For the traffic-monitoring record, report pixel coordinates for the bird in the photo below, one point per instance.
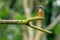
(41, 11)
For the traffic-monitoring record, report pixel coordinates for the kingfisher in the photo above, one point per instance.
(41, 11)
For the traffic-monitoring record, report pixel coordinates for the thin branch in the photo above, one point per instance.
(38, 28)
(53, 23)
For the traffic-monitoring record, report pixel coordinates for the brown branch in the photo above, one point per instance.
(53, 23)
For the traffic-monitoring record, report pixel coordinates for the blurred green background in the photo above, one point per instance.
(22, 9)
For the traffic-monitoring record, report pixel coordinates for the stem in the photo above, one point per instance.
(38, 28)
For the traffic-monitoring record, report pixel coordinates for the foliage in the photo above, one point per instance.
(3, 12)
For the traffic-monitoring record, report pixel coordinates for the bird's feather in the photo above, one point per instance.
(41, 13)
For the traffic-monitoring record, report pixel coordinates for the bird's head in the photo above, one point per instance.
(41, 7)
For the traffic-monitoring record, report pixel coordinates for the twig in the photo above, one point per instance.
(38, 28)
(53, 23)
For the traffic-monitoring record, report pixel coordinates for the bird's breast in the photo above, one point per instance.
(41, 13)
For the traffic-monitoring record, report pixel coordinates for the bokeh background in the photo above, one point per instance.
(22, 9)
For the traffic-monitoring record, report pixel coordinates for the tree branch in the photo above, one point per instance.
(25, 22)
(20, 21)
(33, 18)
(38, 28)
(53, 23)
